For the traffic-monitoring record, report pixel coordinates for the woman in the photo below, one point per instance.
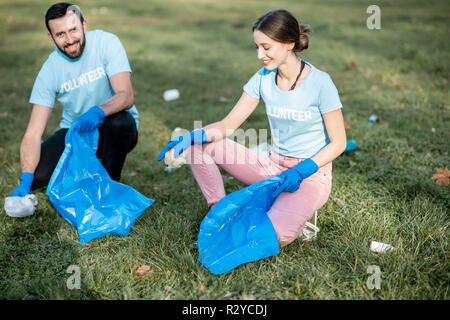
(306, 122)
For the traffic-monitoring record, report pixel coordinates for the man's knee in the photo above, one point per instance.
(40, 180)
(121, 122)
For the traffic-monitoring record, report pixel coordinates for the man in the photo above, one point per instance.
(89, 74)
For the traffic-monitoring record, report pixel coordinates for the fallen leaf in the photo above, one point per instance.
(429, 155)
(351, 63)
(340, 202)
(202, 287)
(132, 174)
(145, 270)
(3, 114)
(398, 106)
(347, 126)
(442, 177)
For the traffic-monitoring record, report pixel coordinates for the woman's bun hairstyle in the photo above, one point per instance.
(280, 25)
(303, 40)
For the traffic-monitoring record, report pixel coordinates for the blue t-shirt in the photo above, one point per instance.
(295, 116)
(83, 82)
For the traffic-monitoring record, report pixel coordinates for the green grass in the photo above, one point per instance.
(382, 191)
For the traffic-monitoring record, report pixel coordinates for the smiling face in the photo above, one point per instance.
(67, 33)
(271, 52)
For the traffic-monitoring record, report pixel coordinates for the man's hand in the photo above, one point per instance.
(90, 120)
(26, 179)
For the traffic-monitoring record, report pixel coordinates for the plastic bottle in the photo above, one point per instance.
(373, 118)
(351, 145)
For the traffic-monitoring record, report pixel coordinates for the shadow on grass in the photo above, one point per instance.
(34, 257)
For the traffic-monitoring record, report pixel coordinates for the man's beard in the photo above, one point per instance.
(78, 53)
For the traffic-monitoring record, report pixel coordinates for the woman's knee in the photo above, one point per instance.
(289, 218)
(286, 237)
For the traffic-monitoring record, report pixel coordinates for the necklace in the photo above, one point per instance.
(296, 79)
(298, 76)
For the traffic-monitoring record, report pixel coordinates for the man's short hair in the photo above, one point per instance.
(59, 10)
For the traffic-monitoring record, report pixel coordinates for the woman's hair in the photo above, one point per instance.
(281, 25)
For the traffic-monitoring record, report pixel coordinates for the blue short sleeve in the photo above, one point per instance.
(328, 96)
(115, 57)
(44, 88)
(253, 86)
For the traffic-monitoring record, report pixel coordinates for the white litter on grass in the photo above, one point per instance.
(381, 247)
(19, 207)
(169, 159)
(171, 94)
(310, 230)
(229, 294)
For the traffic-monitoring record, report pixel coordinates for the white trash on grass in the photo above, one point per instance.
(169, 159)
(171, 94)
(381, 247)
(19, 207)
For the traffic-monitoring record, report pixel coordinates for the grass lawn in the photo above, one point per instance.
(381, 191)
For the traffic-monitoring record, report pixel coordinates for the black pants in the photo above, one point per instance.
(117, 136)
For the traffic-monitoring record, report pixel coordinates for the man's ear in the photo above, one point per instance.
(50, 37)
(84, 25)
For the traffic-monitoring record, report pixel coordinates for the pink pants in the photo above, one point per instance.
(290, 211)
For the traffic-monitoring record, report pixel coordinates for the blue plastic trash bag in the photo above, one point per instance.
(84, 194)
(237, 229)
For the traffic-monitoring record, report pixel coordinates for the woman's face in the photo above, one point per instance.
(271, 52)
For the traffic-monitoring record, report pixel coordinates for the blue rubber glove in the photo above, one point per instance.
(291, 178)
(26, 179)
(183, 142)
(89, 120)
